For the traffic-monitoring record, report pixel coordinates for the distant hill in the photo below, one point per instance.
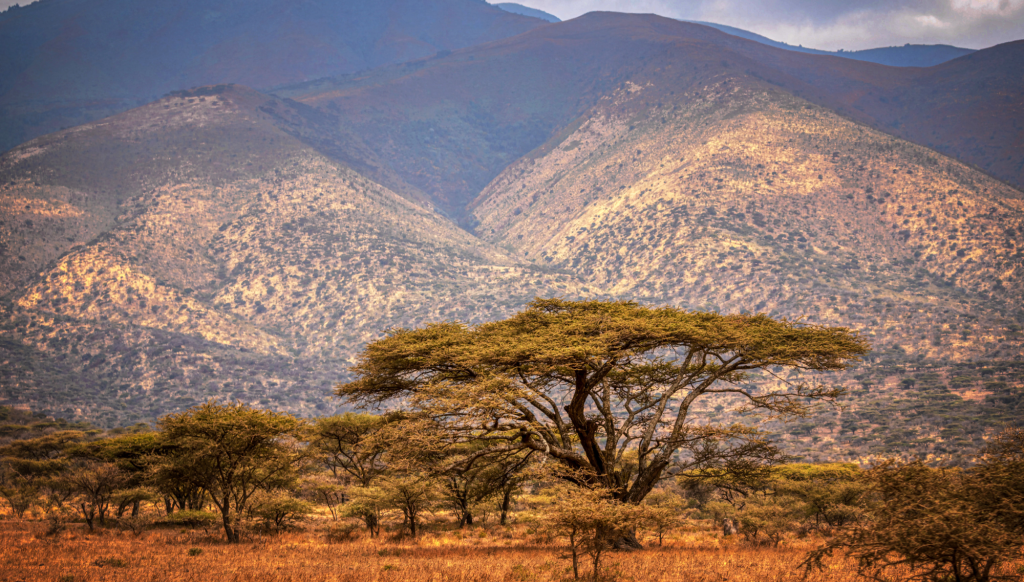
(67, 62)
(527, 11)
(909, 55)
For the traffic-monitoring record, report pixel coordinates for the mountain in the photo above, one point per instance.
(447, 126)
(195, 247)
(226, 242)
(527, 11)
(67, 62)
(908, 55)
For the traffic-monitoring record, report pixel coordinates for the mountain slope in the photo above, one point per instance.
(527, 11)
(748, 199)
(209, 240)
(223, 242)
(70, 61)
(447, 126)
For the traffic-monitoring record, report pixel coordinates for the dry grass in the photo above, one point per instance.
(477, 554)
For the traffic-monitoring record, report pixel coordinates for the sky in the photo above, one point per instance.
(825, 24)
(834, 24)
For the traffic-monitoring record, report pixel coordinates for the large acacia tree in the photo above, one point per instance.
(606, 389)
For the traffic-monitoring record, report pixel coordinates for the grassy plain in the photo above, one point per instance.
(475, 554)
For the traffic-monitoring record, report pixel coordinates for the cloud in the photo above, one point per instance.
(5, 4)
(835, 24)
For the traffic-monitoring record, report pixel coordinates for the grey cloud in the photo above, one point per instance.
(5, 4)
(835, 24)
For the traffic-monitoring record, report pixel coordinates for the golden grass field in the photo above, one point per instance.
(473, 554)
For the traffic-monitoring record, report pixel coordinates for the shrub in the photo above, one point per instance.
(941, 524)
(192, 518)
(281, 511)
(592, 522)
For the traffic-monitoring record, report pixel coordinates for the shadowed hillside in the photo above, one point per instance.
(447, 126)
(67, 62)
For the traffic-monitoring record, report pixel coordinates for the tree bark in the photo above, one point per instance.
(89, 515)
(506, 505)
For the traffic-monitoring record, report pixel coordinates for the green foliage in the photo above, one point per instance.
(592, 521)
(939, 524)
(233, 451)
(344, 445)
(192, 518)
(280, 510)
(610, 362)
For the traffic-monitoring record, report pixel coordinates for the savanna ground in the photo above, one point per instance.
(483, 553)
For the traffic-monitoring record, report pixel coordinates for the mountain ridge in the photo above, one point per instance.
(72, 61)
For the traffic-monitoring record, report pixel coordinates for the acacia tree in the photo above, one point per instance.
(233, 451)
(606, 389)
(344, 445)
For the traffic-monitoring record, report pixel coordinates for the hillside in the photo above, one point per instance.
(193, 247)
(448, 126)
(67, 62)
(527, 11)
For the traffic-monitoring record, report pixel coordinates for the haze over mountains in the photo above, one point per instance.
(909, 55)
(67, 62)
(226, 242)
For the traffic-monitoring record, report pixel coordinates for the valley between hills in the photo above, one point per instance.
(230, 243)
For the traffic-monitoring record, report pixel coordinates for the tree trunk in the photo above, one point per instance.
(103, 514)
(627, 541)
(506, 505)
(728, 527)
(229, 529)
(225, 514)
(575, 557)
(89, 514)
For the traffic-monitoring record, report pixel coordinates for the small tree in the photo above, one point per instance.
(233, 451)
(412, 494)
(591, 520)
(768, 518)
(279, 510)
(832, 493)
(31, 471)
(941, 524)
(96, 484)
(367, 503)
(344, 444)
(19, 492)
(665, 512)
(323, 490)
